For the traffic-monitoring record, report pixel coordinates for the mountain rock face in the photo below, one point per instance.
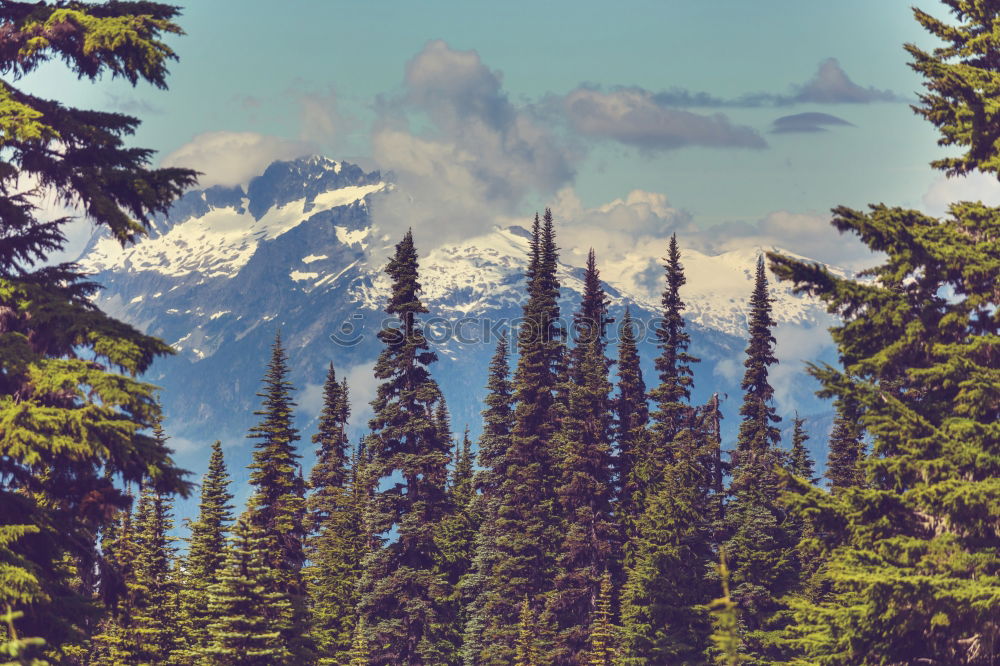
(297, 251)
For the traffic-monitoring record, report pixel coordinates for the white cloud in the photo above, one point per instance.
(976, 186)
(232, 158)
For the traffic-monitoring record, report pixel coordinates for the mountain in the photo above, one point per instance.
(297, 250)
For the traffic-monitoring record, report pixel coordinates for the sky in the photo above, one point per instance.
(746, 120)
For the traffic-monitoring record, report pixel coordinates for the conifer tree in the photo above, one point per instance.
(663, 613)
(277, 506)
(846, 451)
(359, 655)
(914, 578)
(673, 365)
(726, 642)
(251, 614)
(206, 555)
(404, 594)
(585, 491)
(154, 609)
(526, 531)
(336, 544)
(495, 438)
(114, 641)
(526, 649)
(74, 416)
(631, 418)
(601, 650)
(800, 463)
(760, 540)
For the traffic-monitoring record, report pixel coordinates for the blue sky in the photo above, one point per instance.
(732, 110)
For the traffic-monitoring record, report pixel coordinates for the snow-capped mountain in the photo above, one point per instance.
(298, 250)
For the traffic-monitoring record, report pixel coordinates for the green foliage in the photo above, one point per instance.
(601, 645)
(631, 418)
(726, 642)
(154, 611)
(404, 593)
(799, 462)
(359, 655)
(526, 649)
(846, 451)
(73, 416)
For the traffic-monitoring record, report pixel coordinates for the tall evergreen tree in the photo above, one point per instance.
(251, 613)
(760, 542)
(914, 579)
(601, 646)
(800, 463)
(404, 594)
(277, 506)
(673, 365)
(585, 486)
(154, 609)
(845, 452)
(526, 650)
(337, 540)
(631, 418)
(206, 555)
(74, 416)
(526, 532)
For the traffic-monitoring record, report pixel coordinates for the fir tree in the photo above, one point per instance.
(525, 532)
(251, 614)
(585, 489)
(17, 651)
(760, 541)
(726, 642)
(154, 609)
(206, 554)
(277, 506)
(631, 419)
(404, 595)
(845, 452)
(800, 463)
(74, 416)
(526, 649)
(336, 544)
(359, 655)
(914, 576)
(673, 365)
(601, 649)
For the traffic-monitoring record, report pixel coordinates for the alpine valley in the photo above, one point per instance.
(297, 250)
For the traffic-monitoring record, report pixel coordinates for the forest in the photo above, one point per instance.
(599, 518)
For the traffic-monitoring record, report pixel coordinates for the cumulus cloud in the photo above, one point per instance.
(476, 158)
(946, 190)
(232, 158)
(806, 122)
(831, 85)
(635, 117)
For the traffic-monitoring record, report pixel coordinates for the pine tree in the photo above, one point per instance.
(277, 506)
(404, 595)
(761, 539)
(846, 451)
(585, 491)
(206, 554)
(251, 613)
(914, 578)
(800, 463)
(74, 416)
(336, 543)
(673, 365)
(525, 533)
(631, 418)
(663, 614)
(601, 643)
(154, 609)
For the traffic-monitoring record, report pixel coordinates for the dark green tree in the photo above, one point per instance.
(154, 611)
(800, 462)
(526, 650)
(74, 416)
(336, 543)
(674, 367)
(526, 532)
(206, 555)
(585, 486)
(404, 595)
(846, 451)
(631, 419)
(277, 506)
(602, 642)
(914, 577)
(251, 613)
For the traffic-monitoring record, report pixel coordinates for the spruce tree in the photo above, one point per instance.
(800, 463)
(154, 610)
(631, 418)
(277, 506)
(251, 613)
(726, 642)
(846, 451)
(760, 539)
(673, 366)
(526, 649)
(914, 579)
(585, 486)
(206, 554)
(525, 533)
(601, 646)
(74, 416)
(336, 542)
(404, 594)
(359, 655)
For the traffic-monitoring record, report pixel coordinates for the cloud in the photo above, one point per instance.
(475, 157)
(635, 117)
(831, 85)
(233, 158)
(945, 191)
(806, 122)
